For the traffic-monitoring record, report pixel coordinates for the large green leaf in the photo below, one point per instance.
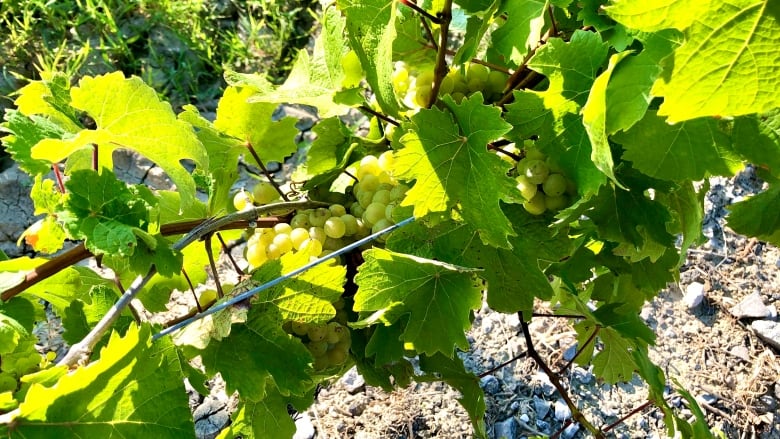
(727, 65)
(446, 153)
(757, 138)
(24, 132)
(654, 15)
(130, 391)
(522, 31)
(437, 296)
(754, 216)
(142, 123)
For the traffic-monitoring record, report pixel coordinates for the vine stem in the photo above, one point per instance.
(626, 416)
(576, 413)
(582, 348)
(81, 350)
(379, 115)
(265, 171)
(504, 364)
(440, 71)
(421, 11)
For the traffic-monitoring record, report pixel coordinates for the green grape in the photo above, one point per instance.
(496, 81)
(337, 356)
(273, 251)
(385, 161)
(398, 192)
(319, 216)
(353, 71)
(527, 189)
(554, 166)
(368, 165)
(477, 72)
(363, 228)
(283, 243)
(554, 185)
(283, 228)
(370, 182)
(536, 205)
(389, 211)
(374, 213)
(385, 179)
(266, 236)
(300, 221)
(337, 210)
(265, 193)
(400, 79)
(382, 196)
(447, 85)
(300, 328)
(533, 153)
(317, 331)
(335, 227)
(255, 254)
(357, 210)
(312, 247)
(297, 236)
(350, 224)
(365, 198)
(460, 85)
(317, 348)
(379, 226)
(317, 233)
(424, 79)
(335, 332)
(556, 203)
(537, 171)
(242, 200)
(321, 363)
(422, 96)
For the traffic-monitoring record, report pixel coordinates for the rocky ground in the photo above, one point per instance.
(717, 334)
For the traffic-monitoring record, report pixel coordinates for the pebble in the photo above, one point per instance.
(304, 429)
(751, 307)
(570, 352)
(353, 382)
(570, 431)
(210, 418)
(506, 429)
(582, 375)
(769, 402)
(525, 418)
(541, 407)
(543, 426)
(768, 331)
(490, 384)
(562, 411)
(694, 295)
(708, 398)
(740, 352)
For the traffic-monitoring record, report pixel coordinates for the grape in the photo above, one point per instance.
(297, 236)
(374, 213)
(353, 71)
(335, 332)
(389, 211)
(556, 203)
(398, 192)
(273, 251)
(379, 226)
(424, 79)
(283, 243)
(337, 210)
(300, 328)
(320, 363)
(264, 193)
(382, 196)
(242, 200)
(475, 85)
(301, 220)
(311, 246)
(335, 227)
(317, 233)
(422, 96)
(536, 205)
(384, 179)
(283, 228)
(496, 81)
(357, 210)
(369, 165)
(370, 182)
(317, 331)
(255, 254)
(554, 185)
(537, 171)
(526, 188)
(363, 228)
(365, 198)
(317, 348)
(533, 153)
(386, 160)
(266, 236)
(400, 79)
(318, 217)
(337, 356)
(477, 72)
(554, 166)
(447, 85)
(350, 224)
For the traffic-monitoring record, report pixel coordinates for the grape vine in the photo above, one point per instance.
(515, 152)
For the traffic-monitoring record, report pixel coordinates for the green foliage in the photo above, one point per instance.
(626, 115)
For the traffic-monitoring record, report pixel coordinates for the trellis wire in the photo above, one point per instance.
(249, 293)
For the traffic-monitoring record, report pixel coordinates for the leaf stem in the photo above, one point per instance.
(581, 348)
(58, 177)
(379, 115)
(504, 364)
(429, 33)
(192, 288)
(440, 71)
(94, 156)
(213, 265)
(421, 11)
(626, 416)
(267, 174)
(226, 250)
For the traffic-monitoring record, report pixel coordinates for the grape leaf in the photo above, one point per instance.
(438, 296)
(749, 217)
(252, 122)
(24, 132)
(727, 65)
(476, 27)
(17, 348)
(453, 372)
(371, 31)
(757, 138)
(614, 363)
(130, 391)
(332, 147)
(446, 153)
(259, 350)
(522, 31)
(307, 297)
(129, 115)
(655, 15)
(473, 6)
(49, 97)
(267, 418)
(25, 311)
(686, 206)
(689, 150)
(79, 318)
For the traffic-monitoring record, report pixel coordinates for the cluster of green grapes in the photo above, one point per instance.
(262, 193)
(328, 343)
(376, 193)
(542, 184)
(456, 84)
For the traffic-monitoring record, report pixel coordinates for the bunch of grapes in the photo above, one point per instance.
(328, 343)
(477, 77)
(377, 193)
(542, 184)
(262, 193)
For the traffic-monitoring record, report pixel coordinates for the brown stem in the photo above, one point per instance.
(628, 415)
(226, 250)
(553, 25)
(496, 148)
(519, 76)
(58, 178)
(191, 313)
(421, 11)
(576, 413)
(350, 174)
(429, 33)
(504, 364)
(581, 348)
(440, 71)
(192, 289)
(213, 266)
(94, 157)
(265, 171)
(490, 65)
(562, 429)
(379, 115)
